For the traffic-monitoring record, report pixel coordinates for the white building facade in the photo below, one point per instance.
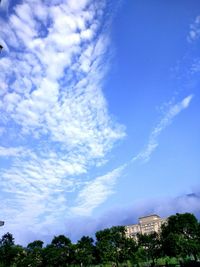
(146, 225)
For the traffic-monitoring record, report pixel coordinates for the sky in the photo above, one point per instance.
(99, 114)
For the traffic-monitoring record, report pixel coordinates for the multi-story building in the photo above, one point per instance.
(146, 225)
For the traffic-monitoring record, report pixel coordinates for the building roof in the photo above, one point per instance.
(152, 215)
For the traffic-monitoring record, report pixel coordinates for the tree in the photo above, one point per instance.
(84, 251)
(34, 254)
(151, 245)
(179, 236)
(20, 259)
(35, 245)
(130, 250)
(59, 252)
(7, 249)
(7, 240)
(112, 245)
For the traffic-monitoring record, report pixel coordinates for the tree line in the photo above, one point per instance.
(178, 242)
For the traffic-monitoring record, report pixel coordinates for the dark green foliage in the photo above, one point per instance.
(34, 255)
(113, 246)
(191, 264)
(180, 236)
(151, 246)
(85, 251)
(59, 252)
(35, 245)
(8, 251)
(7, 240)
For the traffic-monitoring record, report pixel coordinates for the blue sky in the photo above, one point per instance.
(99, 104)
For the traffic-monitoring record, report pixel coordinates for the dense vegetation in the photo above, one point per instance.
(178, 242)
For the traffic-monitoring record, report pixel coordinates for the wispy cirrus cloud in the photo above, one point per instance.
(167, 119)
(97, 191)
(194, 32)
(54, 117)
(11, 151)
(193, 37)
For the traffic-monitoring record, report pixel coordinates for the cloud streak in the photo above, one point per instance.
(96, 192)
(172, 112)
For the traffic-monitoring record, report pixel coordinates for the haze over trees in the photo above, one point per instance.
(178, 242)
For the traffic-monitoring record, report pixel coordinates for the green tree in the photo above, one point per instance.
(7, 240)
(130, 250)
(37, 244)
(84, 251)
(179, 236)
(7, 249)
(151, 245)
(59, 253)
(20, 259)
(112, 245)
(34, 254)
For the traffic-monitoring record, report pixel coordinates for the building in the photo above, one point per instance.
(1, 223)
(146, 225)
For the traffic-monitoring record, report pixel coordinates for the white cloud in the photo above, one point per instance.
(52, 56)
(194, 32)
(11, 151)
(96, 192)
(172, 112)
(56, 123)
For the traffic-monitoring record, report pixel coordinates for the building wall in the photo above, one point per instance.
(146, 225)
